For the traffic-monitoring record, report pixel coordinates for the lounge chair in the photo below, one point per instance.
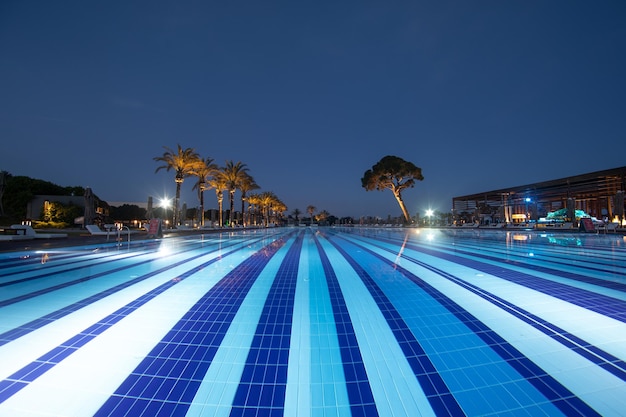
(29, 231)
(492, 226)
(94, 230)
(13, 234)
(609, 227)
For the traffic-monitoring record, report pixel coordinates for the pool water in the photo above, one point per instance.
(318, 322)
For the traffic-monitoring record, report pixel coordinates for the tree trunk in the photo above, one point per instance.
(407, 217)
(243, 209)
(201, 208)
(220, 198)
(176, 202)
(231, 197)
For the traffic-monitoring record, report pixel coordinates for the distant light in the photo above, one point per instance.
(528, 200)
(165, 203)
(429, 212)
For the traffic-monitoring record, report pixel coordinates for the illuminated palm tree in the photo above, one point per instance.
(233, 174)
(278, 207)
(204, 172)
(183, 162)
(322, 216)
(218, 183)
(247, 184)
(269, 202)
(254, 201)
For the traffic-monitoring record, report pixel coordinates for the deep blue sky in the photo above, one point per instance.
(479, 94)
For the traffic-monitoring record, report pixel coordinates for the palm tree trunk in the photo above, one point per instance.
(201, 208)
(243, 208)
(220, 199)
(175, 216)
(231, 196)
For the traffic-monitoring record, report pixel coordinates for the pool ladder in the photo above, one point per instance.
(119, 235)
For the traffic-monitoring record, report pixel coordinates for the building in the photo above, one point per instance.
(599, 194)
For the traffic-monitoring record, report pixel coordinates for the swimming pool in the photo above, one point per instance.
(308, 322)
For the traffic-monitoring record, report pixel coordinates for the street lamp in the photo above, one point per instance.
(429, 213)
(165, 204)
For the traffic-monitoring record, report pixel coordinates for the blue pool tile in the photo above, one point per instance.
(10, 387)
(456, 357)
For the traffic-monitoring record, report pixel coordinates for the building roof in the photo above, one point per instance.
(592, 185)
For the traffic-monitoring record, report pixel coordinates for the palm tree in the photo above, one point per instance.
(322, 216)
(311, 210)
(183, 162)
(233, 175)
(247, 184)
(395, 174)
(254, 200)
(218, 183)
(296, 213)
(269, 202)
(279, 208)
(204, 172)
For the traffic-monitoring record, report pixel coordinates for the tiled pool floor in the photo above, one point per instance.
(317, 322)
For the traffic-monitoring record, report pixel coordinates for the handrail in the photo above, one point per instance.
(119, 231)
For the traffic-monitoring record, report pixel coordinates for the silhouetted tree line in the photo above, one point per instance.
(18, 191)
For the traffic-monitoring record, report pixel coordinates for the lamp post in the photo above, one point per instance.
(165, 204)
(429, 213)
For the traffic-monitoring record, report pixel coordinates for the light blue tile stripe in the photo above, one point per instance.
(431, 323)
(297, 393)
(327, 383)
(551, 388)
(223, 299)
(383, 358)
(217, 390)
(59, 308)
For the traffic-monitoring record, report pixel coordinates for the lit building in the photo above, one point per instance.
(599, 194)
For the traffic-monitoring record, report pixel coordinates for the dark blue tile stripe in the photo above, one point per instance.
(559, 395)
(47, 290)
(437, 392)
(26, 258)
(357, 383)
(45, 362)
(596, 355)
(595, 263)
(264, 380)
(166, 381)
(617, 286)
(603, 304)
(68, 270)
(65, 259)
(33, 325)
(611, 363)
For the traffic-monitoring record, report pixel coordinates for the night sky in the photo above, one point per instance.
(309, 95)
